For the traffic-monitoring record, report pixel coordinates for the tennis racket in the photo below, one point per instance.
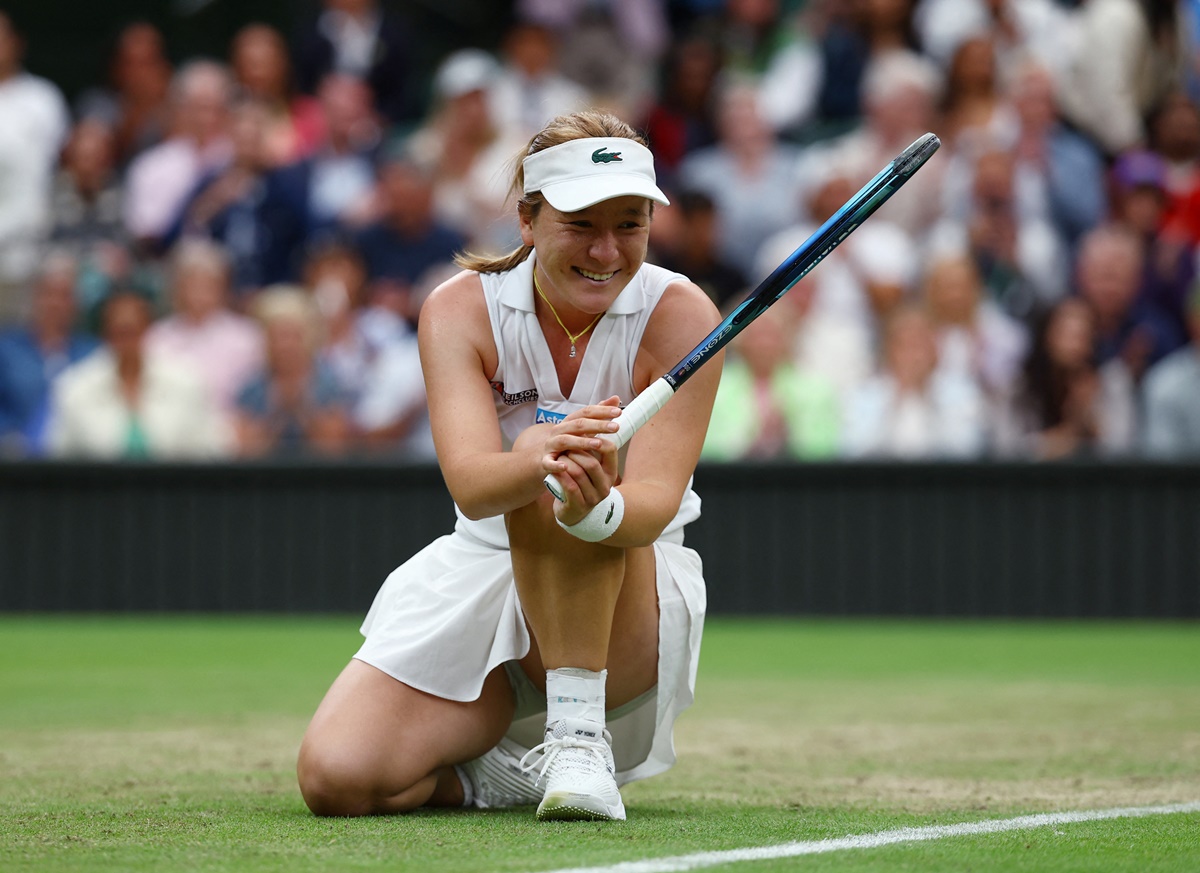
(811, 252)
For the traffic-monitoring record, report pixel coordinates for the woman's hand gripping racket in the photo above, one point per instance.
(811, 252)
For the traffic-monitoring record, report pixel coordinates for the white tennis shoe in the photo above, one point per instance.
(497, 778)
(579, 774)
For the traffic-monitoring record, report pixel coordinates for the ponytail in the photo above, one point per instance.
(485, 264)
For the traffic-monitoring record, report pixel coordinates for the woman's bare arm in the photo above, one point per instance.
(663, 454)
(458, 357)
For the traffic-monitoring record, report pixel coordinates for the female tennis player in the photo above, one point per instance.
(540, 653)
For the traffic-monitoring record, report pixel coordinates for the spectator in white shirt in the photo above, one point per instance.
(856, 288)
(467, 152)
(1041, 30)
(1128, 57)
(1022, 258)
(900, 93)
(1171, 396)
(123, 401)
(975, 336)
(912, 409)
(531, 89)
(33, 125)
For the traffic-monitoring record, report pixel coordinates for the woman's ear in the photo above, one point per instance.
(525, 219)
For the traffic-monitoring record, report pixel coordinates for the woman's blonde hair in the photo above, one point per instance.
(563, 129)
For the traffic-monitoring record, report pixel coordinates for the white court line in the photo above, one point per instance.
(679, 863)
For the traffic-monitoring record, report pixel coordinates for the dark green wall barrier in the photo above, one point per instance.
(920, 539)
(294, 538)
(861, 539)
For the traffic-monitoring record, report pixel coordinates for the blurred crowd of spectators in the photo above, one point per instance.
(226, 257)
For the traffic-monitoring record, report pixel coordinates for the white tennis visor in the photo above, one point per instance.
(582, 172)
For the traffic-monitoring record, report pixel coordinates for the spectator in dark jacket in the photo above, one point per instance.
(362, 39)
(1128, 326)
(239, 205)
(32, 356)
(407, 241)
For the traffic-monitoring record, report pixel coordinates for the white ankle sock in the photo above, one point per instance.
(572, 692)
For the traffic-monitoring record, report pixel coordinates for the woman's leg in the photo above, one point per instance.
(588, 605)
(631, 654)
(590, 608)
(379, 746)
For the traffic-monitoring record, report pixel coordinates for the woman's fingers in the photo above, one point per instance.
(584, 469)
(587, 425)
(577, 451)
(560, 445)
(604, 411)
(576, 432)
(608, 460)
(579, 435)
(585, 477)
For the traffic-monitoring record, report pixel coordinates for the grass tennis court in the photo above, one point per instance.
(168, 743)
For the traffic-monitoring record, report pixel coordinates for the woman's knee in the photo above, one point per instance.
(376, 746)
(328, 785)
(338, 782)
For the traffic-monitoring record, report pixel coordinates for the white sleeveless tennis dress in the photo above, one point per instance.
(450, 614)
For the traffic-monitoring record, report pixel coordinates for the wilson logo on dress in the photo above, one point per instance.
(514, 399)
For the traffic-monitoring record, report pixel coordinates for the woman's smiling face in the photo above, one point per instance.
(588, 257)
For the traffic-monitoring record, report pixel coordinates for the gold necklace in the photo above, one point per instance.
(553, 312)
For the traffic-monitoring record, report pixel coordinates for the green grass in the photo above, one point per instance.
(168, 743)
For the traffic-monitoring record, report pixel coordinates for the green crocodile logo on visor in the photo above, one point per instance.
(600, 156)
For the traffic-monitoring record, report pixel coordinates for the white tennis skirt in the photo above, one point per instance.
(450, 614)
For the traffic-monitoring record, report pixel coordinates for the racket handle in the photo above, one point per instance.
(637, 413)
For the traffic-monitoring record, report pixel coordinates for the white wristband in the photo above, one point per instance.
(602, 522)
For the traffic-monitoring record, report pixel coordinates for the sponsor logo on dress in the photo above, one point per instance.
(515, 399)
(545, 416)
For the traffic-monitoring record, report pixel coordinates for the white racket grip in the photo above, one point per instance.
(640, 410)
